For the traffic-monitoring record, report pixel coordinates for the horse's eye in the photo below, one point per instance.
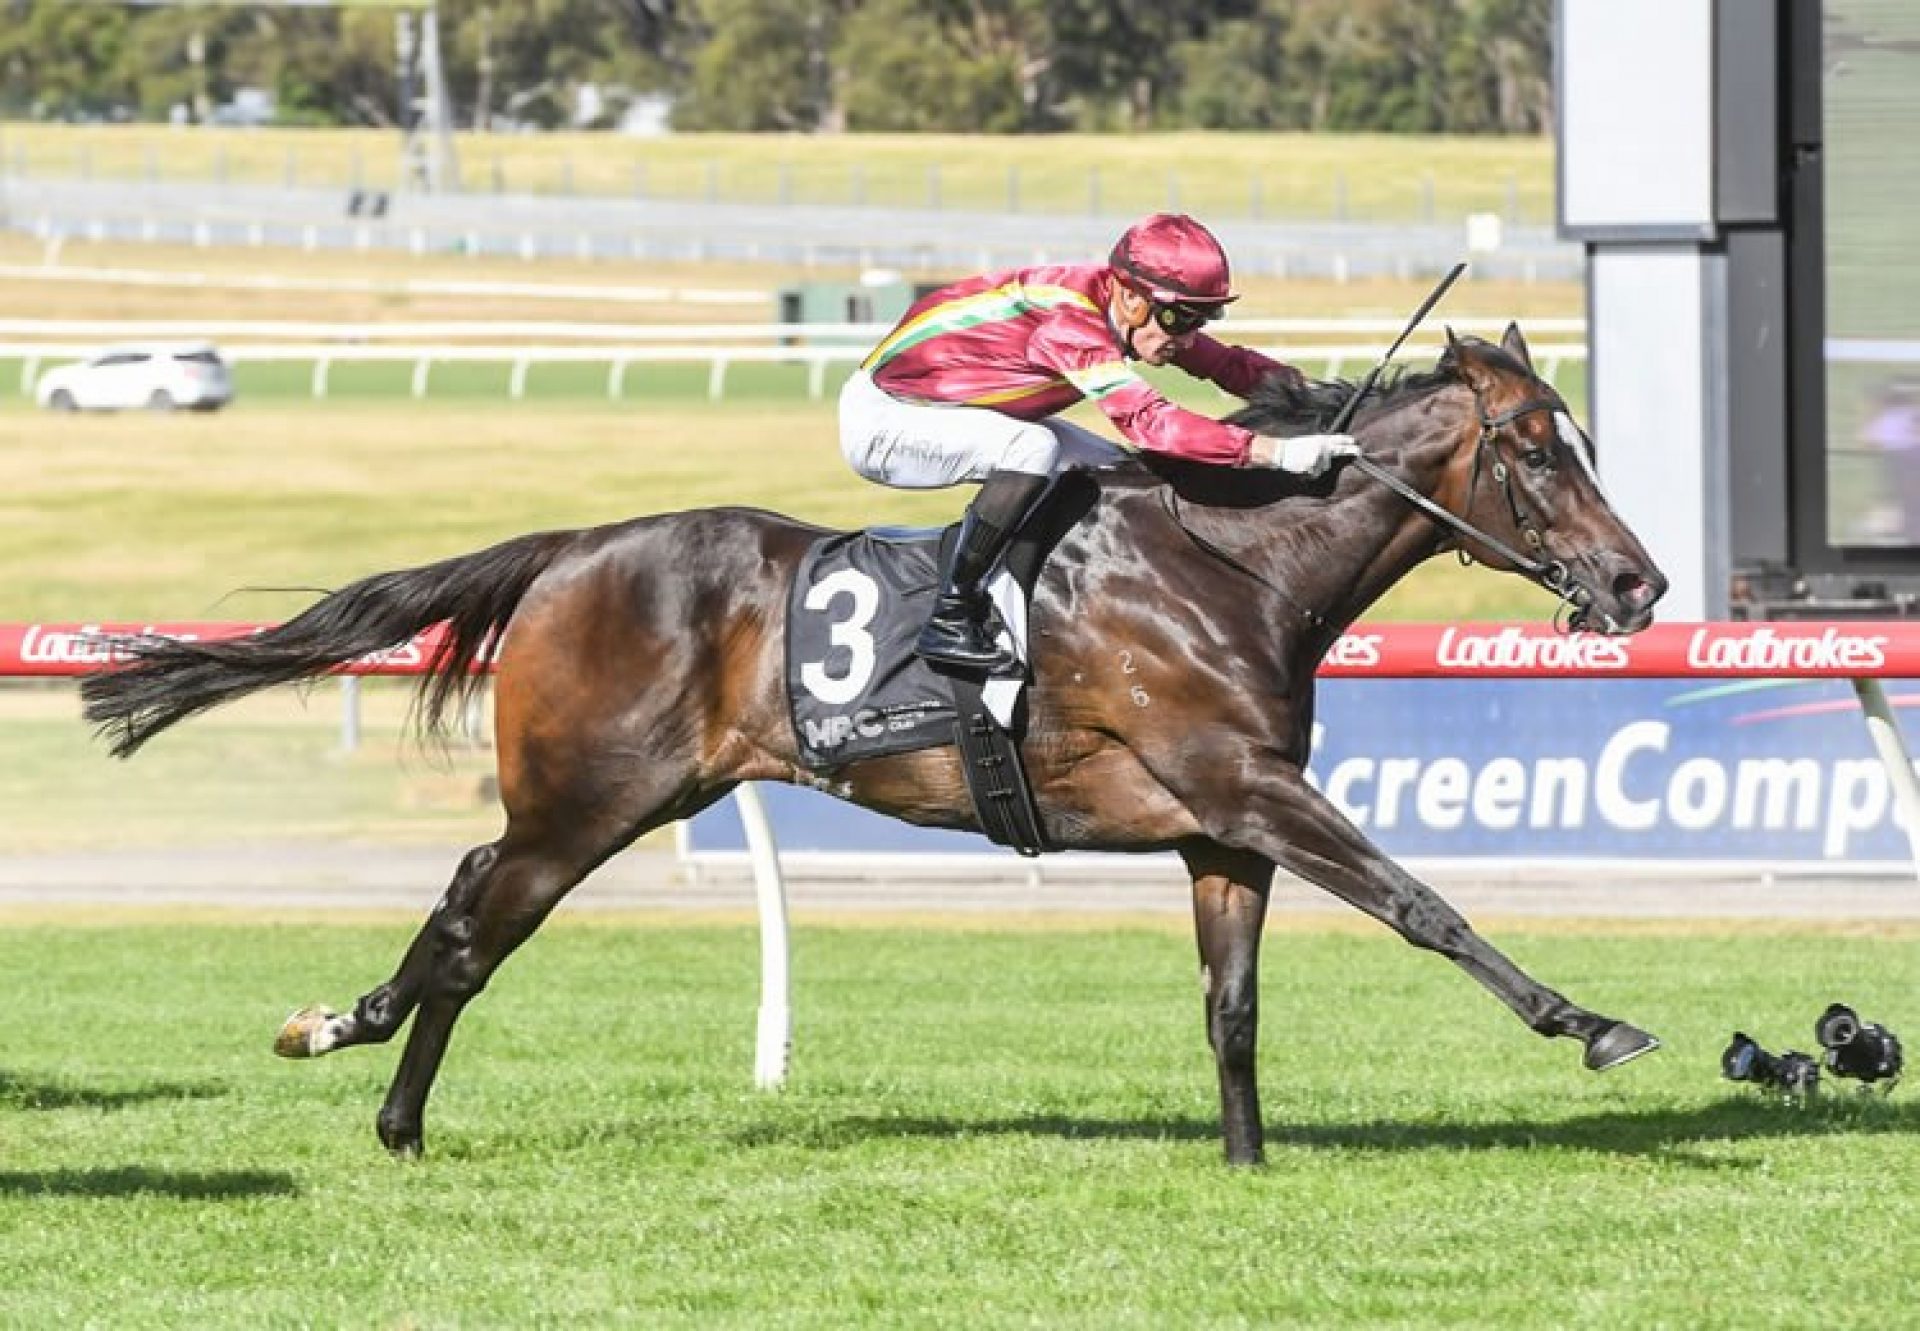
(1537, 459)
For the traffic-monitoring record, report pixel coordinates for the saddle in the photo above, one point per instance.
(855, 688)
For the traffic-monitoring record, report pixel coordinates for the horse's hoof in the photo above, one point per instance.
(403, 1141)
(1619, 1043)
(300, 1034)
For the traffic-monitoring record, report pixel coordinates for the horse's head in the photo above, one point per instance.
(1523, 474)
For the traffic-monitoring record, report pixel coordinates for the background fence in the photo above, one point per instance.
(602, 360)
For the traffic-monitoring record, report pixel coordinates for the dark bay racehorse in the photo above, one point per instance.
(1178, 623)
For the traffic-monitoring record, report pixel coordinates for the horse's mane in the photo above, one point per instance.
(1281, 407)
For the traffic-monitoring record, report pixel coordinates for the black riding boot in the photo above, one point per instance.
(956, 633)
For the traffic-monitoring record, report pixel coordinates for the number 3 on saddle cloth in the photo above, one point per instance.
(856, 688)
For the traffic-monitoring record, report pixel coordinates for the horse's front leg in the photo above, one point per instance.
(1288, 821)
(1229, 907)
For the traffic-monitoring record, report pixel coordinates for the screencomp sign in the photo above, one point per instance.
(1761, 770)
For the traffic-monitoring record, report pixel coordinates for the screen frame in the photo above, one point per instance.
(1812, 548)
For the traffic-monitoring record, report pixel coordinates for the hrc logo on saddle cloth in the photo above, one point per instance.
(856, 605)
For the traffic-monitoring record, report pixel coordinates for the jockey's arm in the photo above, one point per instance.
(1083, 353)
(1238, 370)
(1148, 420)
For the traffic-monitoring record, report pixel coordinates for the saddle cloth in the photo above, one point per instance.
(854, 685)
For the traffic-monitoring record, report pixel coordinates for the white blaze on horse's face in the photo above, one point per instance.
(1576, 439)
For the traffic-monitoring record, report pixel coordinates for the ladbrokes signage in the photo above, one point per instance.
(1515, 651)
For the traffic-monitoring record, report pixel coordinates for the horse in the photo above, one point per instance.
(1179, 622)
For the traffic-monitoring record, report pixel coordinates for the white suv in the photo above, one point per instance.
(160, 378)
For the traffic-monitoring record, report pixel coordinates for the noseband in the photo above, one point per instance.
(1552, 575)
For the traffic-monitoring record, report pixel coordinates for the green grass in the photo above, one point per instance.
(1365, 176)
(270, 769)
(983, 1129)
(137, 516)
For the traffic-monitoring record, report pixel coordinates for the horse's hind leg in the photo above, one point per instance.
(524, 880)
(315, 1030)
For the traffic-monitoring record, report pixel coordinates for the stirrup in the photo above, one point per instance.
(956, 635)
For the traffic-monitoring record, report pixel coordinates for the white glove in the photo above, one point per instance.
(1303, 455)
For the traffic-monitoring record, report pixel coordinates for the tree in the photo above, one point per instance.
(542, 51)
(1237, 77)
(64, 61)
(764, 66)
(1121, 53)
(1473, 66)
(954, 65)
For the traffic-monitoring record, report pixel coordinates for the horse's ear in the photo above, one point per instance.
(1463, 359)
(1516, 346)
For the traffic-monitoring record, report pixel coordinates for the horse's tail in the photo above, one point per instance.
(167, 680)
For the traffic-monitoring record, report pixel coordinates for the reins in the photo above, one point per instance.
(1551, 575)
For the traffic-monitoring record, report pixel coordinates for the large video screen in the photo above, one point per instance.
(1870, 93)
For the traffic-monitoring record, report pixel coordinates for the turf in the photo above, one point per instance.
(983, 1128)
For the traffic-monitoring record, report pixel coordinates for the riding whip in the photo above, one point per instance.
(1341, 421)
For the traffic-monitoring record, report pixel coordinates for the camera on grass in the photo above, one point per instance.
(1792, 1074)
(1854, 1048)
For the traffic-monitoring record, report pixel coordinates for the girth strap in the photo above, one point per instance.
(996, 776)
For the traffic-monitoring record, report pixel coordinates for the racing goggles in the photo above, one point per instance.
(1180, 320)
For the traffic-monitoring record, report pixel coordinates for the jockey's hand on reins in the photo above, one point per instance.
(1302, 455)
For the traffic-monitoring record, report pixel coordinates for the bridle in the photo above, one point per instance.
(1550, 574)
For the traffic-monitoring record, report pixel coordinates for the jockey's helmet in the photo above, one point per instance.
(1173, 260)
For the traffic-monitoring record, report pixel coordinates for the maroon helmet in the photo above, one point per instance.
(1173, 260)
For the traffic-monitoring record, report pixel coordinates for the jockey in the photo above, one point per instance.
(966, 388)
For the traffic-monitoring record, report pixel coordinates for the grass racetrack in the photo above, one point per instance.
(984, 1128)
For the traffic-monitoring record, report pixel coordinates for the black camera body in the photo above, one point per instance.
(1855, 1048)
(1792, 1074)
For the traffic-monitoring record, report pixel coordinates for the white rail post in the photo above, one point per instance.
(349, 713)
(774, 1039)
(1892, 748)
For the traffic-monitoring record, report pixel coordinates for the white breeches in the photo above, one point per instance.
(920, 446)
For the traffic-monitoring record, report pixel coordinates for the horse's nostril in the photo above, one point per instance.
(1634, 591)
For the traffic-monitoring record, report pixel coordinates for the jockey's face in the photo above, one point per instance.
(1144, 335)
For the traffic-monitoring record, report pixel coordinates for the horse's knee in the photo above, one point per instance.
(1426, 921)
